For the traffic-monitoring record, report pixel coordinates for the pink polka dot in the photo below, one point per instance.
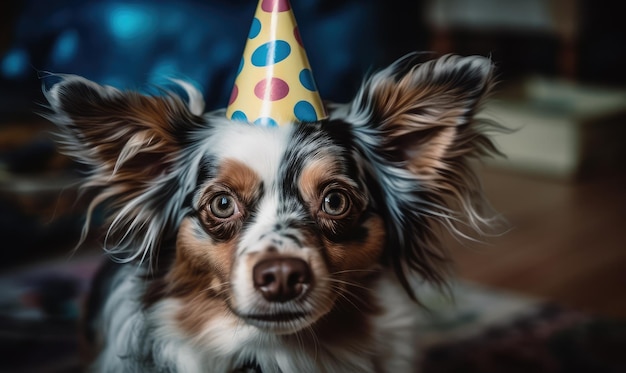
(233, 94)
(273, 89)
(296, 33)
(275, 5)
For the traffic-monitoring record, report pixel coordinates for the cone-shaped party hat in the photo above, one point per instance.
(274, 84)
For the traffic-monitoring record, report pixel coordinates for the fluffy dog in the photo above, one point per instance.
(287, 249)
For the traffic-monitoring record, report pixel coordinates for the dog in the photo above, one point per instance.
(296, 248)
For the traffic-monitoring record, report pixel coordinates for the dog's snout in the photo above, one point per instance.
(281, 279)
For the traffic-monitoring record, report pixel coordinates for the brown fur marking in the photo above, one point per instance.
(202, 268)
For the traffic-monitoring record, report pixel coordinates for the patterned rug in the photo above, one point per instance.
(476, 330)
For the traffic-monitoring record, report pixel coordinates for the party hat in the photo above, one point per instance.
(274, 83)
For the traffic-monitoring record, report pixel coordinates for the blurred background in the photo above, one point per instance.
(562, 88)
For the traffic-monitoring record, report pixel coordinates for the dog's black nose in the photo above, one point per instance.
(281, 279)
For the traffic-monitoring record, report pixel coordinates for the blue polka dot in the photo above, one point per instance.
(305, 112)
(271, 53)
(306, 79)
(240, 66)
(266, 122)
(255, 28)
(239, 116)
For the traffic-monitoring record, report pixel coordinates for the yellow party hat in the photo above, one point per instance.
(274, 84)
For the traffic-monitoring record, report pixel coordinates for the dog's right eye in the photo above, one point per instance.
(224, 206)
(336, 203)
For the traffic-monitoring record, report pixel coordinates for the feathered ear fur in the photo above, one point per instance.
(414, 124)
(132, 144)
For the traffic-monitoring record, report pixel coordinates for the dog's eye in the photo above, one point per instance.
(336, 203)
(223, 206)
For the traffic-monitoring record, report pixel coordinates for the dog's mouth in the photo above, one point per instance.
(281, 317)
(279, 322)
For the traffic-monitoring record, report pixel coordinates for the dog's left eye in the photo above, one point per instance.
(336, 203)
(223, 206)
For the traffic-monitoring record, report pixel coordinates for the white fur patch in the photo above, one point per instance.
(257, 147)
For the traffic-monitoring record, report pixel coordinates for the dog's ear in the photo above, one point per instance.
(415, 125)
(131, 143)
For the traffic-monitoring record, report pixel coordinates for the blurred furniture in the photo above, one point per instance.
(557, 18)
(562, 129)
(41, 215)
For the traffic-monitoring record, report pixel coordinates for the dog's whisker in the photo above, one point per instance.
(314, 340)
(346, 298)
(342, 290)
(354, 270)
(349, 283)
(300, 341)
(342, 293)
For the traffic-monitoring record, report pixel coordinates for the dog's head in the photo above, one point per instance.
(282, 223)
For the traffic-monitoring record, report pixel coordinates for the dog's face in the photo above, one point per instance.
(282, 222)
(279, 225)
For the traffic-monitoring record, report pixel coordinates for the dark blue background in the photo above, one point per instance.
(130, 44)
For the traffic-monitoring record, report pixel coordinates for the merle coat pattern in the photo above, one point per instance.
(344, 214)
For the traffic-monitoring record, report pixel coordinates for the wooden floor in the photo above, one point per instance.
(567, 242)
